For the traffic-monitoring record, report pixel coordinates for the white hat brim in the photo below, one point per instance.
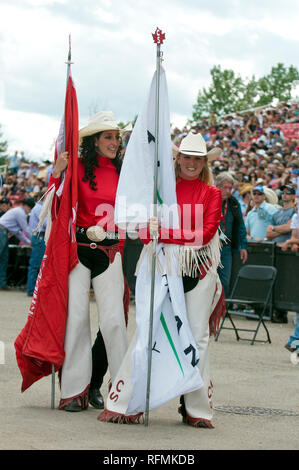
(211, 155)
(87, 131)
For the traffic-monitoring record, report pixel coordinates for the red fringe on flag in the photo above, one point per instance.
(217, 315)
(195, 422)
(82, 399)
(198, 422)
(119, 418)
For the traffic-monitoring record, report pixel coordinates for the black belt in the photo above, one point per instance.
(4, 228)
(109, 235)
(82, 238)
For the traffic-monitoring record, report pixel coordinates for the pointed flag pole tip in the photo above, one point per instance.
(69, 61)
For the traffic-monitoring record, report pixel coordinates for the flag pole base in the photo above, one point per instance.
(53, 388)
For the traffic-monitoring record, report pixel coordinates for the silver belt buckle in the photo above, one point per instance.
(93, 246)
(96, 233)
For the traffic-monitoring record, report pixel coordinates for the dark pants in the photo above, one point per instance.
(3, 258)
(225, 272)
(37, 253)
(99, 362)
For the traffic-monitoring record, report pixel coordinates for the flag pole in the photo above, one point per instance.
(158, 37)
(68, 62)
(53, 387)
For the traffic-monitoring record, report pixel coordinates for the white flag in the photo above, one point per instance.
(174, 369)
(134, 198)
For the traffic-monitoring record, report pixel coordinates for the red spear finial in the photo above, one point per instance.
(158, 36)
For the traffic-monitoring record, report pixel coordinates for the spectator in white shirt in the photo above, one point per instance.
(13, 222)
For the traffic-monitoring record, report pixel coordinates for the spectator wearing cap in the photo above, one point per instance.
(37, 244)
(260, 216)
(5, 205)
(13, 222)
(261, 153)
(232, 226)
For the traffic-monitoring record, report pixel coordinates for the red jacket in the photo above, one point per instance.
(191, 196)
(90, 201)
(96, 207)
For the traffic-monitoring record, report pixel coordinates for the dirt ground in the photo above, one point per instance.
(258, 379)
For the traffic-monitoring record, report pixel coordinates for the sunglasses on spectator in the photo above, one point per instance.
(257, 193)
(287, 192)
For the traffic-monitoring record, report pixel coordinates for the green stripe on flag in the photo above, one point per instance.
(159, 197)
(162, 318)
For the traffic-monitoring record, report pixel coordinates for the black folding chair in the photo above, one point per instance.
(252, 288)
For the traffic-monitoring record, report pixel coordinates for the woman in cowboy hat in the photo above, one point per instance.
(100, 263)
(203, 290)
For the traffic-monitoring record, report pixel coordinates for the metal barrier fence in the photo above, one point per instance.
(285, 293)
(17, 269)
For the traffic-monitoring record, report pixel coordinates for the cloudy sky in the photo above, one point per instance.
(114, 56)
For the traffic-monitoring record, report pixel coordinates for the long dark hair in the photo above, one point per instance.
(89, 155)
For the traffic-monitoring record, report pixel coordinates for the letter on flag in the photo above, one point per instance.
(40, 343)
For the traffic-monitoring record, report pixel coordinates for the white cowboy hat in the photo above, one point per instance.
(194, 144)
(271, 196)
(261, 152)
(103, 121)
(260, 181)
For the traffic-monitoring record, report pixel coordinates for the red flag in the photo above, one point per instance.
(40, 343)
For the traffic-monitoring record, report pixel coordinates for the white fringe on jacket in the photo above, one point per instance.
(190, 258)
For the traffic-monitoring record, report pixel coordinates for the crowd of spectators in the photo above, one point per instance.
(21, 178)
(256, 148)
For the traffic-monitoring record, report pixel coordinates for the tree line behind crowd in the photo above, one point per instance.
(230, 93)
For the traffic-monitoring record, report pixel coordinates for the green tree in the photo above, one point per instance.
(3, 149)
(278, 84)
(229, 92)
(222, 96)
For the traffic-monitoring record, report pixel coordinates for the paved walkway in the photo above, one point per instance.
(255, 399)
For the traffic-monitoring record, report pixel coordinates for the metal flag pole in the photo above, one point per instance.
(68, 62)
(53, 388)
(158, 37)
